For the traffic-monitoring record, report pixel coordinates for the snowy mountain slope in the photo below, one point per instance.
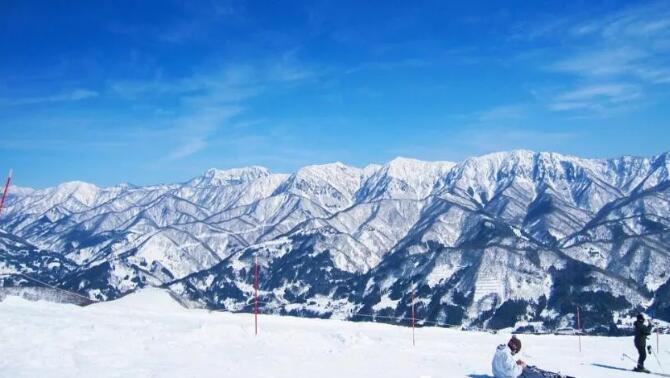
(403, 178)
(492, 241)
(331, 186)
(19, 259)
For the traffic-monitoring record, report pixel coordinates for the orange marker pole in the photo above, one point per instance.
(4, 193)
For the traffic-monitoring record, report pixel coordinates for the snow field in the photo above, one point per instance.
(147, 334)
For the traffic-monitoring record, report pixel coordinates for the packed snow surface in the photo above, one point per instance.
(147, 334)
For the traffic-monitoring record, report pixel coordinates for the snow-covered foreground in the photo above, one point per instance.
(147, 334)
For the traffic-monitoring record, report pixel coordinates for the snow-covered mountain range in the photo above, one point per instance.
(507, 239)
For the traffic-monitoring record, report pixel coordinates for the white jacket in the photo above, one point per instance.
(504, 365)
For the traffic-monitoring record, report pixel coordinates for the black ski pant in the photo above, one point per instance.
(642, 351)
(534, 372)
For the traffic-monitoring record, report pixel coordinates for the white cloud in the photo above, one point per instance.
(188, 148)
(229, 84)
(598, 97)
(613, 59)
(73, 95)
(649, 20)
(655, 75)
(604, 62)
(209, 100)
(194, 131)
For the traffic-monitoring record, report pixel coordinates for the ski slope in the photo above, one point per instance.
(147, 334)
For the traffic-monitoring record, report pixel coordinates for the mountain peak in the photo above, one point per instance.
(501, 156)
(325, 167)
(20, 190)
(403, 167)
(232, 176)
(331, 185)
(76, 185)
(402, 178)
(399, 160)
(83, 192)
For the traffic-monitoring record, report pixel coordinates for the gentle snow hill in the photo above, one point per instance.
(147, 299)
(146, 335)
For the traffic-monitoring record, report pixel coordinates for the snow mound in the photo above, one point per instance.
(148, 299)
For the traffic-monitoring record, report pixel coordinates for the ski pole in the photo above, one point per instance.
(628, 357)
(657, 359)
(653, 321)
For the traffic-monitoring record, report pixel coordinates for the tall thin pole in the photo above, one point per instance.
(256, 296)
(413, 317)
(4, 193)
(652, 321)
(579, 331)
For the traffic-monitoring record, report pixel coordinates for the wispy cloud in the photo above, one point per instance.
(601, 63)
(231, 83)
(637, 20)
(179, 117)
(286, 69)
(195, 131)
(73, 95)
(210, 101)
(599, 97)
(612, 60)
(187, 149)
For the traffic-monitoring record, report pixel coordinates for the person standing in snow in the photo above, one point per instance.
(505, 366)
(642, 331)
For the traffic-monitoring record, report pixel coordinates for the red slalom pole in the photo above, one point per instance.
(4, 193)
(256, 296)
(579, 331)
(413, 317)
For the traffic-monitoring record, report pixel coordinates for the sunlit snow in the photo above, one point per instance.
(147, 334)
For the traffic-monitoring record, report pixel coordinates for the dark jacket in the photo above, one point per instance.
(641, 332)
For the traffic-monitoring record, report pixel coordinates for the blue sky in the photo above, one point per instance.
(150, 92)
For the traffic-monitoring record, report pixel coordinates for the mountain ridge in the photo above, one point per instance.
(491, 238)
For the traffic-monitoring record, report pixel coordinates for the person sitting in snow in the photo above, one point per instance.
(505, 366)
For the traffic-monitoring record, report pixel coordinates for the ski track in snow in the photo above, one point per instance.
(147, 334)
